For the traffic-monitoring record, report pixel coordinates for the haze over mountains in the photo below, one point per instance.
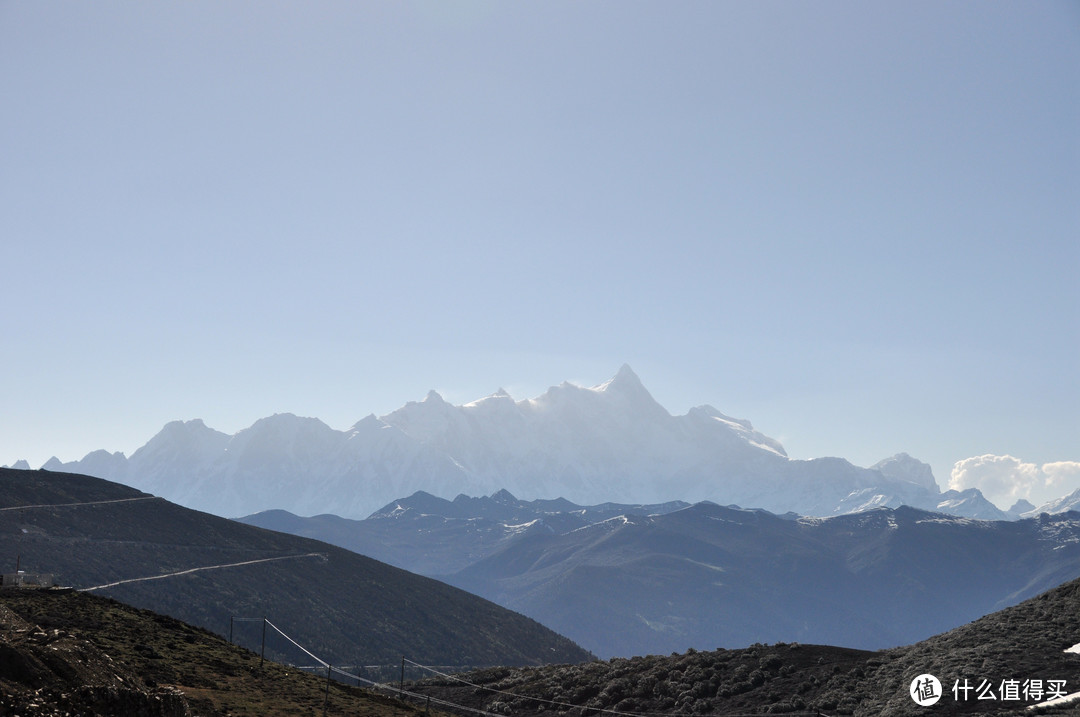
(627, 580)
(589, 445)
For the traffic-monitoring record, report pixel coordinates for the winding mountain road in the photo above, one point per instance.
(73, 505)
(204, 567)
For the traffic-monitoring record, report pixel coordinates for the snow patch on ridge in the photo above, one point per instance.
(742, 428)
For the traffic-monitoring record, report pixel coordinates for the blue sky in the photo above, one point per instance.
(855, 224)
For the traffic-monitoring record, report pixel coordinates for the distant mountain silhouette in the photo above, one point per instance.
(631, 580)
(433, 536)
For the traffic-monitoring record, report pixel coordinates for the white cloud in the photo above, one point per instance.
(1062, 474)
(1006, 479)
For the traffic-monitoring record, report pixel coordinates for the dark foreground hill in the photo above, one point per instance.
(1014, 659)
(76, 654)
(350, 609)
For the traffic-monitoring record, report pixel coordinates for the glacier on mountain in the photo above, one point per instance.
(611, 442)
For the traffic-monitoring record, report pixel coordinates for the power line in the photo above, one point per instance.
(323, 664)
(307, 652)
(376, 685)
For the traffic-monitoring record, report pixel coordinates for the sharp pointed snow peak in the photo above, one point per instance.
(434, 396)
(624, 380)
(627, 389)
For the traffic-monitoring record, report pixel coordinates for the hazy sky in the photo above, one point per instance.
(855, 224)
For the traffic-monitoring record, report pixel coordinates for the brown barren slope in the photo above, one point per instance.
(67, 653)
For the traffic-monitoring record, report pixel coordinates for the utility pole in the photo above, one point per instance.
(326, 702)
(262, 653)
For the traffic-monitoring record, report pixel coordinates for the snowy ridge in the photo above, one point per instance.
(611, 442)
(1060, 505)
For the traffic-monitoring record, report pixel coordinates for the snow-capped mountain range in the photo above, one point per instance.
(611, 442)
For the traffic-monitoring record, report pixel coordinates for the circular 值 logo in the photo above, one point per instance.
(925, 690)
